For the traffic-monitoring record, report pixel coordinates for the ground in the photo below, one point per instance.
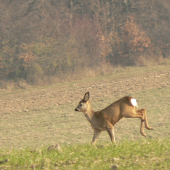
(39, 116)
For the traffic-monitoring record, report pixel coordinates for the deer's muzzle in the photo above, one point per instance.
(76, 109)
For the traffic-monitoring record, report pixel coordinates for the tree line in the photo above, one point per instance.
(52, 37)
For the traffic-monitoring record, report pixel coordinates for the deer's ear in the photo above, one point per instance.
(86, 96)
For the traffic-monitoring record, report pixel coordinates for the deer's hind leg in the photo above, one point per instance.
(141, 114)
(143, 111)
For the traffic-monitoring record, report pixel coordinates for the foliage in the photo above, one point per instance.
(134, 37)
(61, 37)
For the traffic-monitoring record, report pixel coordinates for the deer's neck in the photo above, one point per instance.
(89, 113)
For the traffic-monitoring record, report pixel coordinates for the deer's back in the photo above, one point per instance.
(114, 112)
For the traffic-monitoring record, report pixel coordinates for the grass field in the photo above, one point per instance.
(136, 155)
(39, 123)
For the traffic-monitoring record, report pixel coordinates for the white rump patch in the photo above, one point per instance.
(134, 102)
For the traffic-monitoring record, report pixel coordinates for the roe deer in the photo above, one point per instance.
(108, 117)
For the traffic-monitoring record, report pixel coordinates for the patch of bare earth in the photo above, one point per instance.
(48, 118)
(71, 93)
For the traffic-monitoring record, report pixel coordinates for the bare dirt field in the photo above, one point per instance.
(45, 115)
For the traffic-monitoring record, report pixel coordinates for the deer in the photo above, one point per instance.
(104, 120)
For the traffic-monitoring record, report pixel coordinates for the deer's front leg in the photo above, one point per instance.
(111, 134)
(110, 130)
(95, 136)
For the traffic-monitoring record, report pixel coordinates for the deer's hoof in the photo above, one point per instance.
(149, 128)
(143, 134)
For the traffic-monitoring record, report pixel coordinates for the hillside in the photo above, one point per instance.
(36, 120)
(120, 83)
(45, 115)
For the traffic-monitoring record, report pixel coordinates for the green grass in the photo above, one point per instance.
(135, 155)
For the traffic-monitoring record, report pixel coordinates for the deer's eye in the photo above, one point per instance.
(81, 105)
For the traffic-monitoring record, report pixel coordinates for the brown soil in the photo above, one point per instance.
(45, 115)
(73, 92)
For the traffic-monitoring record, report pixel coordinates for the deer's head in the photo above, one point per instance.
(84, 103)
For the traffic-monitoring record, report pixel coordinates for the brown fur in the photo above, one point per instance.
(106, 119)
